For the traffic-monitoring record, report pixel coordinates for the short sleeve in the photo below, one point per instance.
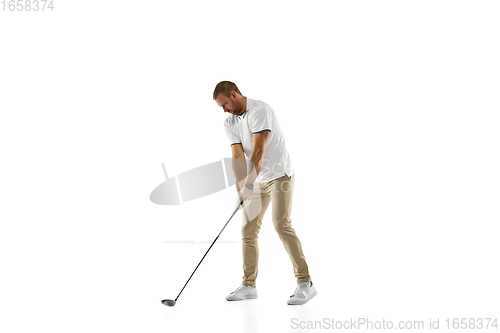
(231, 134)
(261, 120)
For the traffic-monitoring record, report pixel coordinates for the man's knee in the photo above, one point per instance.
(250, 232)
(283, 226)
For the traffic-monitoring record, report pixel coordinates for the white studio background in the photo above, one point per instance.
(390, 111)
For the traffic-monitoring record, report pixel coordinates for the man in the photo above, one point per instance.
(253, 130)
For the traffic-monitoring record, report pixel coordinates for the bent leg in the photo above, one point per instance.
(282, 195)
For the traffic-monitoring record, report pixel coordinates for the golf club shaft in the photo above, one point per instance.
(241, 203)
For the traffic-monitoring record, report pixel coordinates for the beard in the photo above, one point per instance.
(236, 111)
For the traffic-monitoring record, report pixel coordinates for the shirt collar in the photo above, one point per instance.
(242, 116)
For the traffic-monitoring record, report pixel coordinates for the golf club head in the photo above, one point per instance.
(168, 302)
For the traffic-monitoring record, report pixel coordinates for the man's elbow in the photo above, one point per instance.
(258, 153)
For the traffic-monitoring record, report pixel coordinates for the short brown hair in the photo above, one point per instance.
(225, 88)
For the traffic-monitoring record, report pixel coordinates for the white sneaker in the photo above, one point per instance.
(242, 292)
(303, 293)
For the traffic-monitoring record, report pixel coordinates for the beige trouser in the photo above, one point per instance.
(280, 191)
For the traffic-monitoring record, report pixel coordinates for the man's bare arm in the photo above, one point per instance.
(259, 142)
(239, 165)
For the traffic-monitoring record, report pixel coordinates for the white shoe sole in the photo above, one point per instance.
(241, 298)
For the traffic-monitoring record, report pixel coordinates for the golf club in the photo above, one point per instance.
(170, 302)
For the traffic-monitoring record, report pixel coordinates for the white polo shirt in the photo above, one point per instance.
(260, 117)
